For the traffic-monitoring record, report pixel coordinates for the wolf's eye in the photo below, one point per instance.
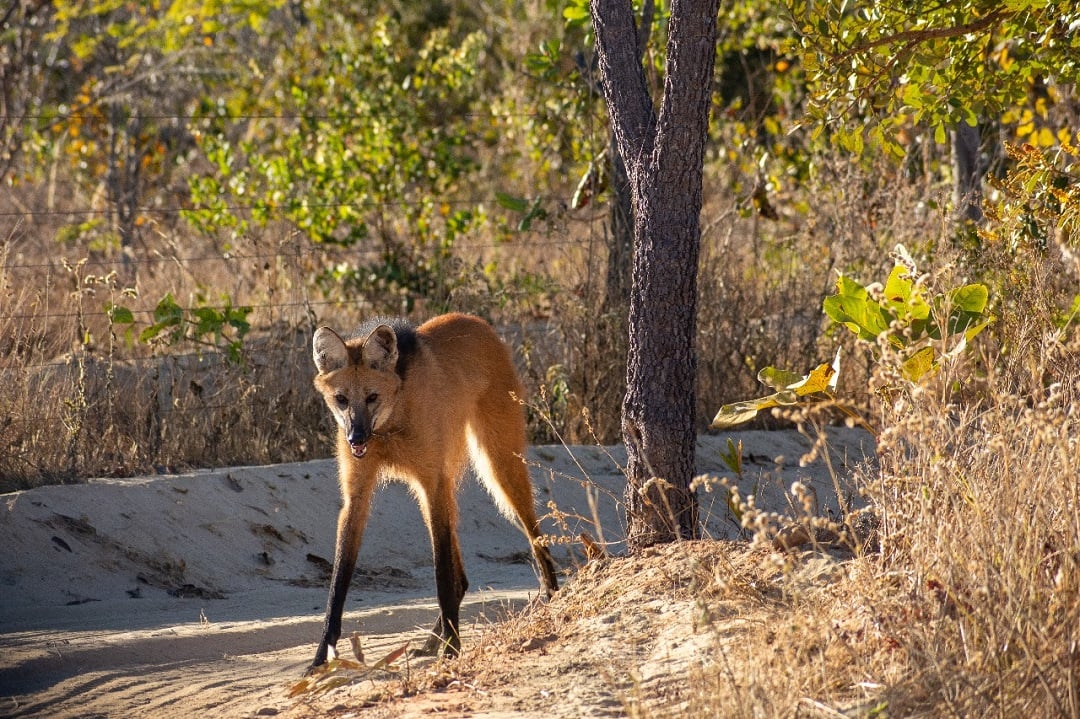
(372, 398)
(342, 400)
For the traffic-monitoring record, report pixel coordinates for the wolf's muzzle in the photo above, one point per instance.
(358, 436)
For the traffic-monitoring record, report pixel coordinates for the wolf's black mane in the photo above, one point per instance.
(407, 342)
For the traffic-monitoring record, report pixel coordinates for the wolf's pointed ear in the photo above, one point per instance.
(380, 349)
(328, 350)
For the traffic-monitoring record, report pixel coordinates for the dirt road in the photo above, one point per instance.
(201, 595)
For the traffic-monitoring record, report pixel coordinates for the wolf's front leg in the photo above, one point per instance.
(351, 521)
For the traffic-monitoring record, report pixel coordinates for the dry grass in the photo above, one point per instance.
(967, 607)
(970, 608)
(81, 399)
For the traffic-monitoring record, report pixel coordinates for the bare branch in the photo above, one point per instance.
(915, 37)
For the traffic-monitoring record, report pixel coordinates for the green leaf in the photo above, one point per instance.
(778, 378)
(969, 323)
(535, 212)
(732, 458)
(515, 204)
(904, 297)
(970, 298)
(737, 413)
(208, 319)
(576, 12)
(119, 315)
(912, 96)
(861, 315)
(168, 313)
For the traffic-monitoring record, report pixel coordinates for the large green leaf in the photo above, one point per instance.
(904, 297)
(853, 307)
(970, 298)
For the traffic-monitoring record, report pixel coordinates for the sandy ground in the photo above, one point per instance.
(202, 594)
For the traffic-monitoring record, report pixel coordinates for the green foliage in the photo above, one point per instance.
(897, 64)
(530, 210)
(904, 315)
(140, 27)
(123, 74)
(221, 327)
(367, 146)
(760, 90)
(1040, 198)
(372, 151)
(732, 457)
(576, 13)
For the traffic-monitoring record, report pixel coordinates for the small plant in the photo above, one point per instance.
(902, 315)
(790, 388)
(907, 317)
(221, 327)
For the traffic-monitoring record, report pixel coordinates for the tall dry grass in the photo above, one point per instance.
(970, 607)
(81, 396)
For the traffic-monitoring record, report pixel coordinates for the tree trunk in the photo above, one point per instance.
(663, 155)
(967, 173)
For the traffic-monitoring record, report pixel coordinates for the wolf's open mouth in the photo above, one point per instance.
(358, 450)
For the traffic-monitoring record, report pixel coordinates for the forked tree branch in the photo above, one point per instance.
(626, 91)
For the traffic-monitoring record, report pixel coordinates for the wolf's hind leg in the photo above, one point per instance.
(501, 466)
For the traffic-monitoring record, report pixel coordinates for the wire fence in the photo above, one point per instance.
(235, 257)
(176, 210)
(192, 117)
(57, 272)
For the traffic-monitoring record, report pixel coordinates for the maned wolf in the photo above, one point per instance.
(413, 404)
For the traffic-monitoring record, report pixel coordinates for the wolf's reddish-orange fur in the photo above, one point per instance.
(417, 405)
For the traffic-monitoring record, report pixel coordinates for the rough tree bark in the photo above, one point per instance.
(621, 216)
(663, 154)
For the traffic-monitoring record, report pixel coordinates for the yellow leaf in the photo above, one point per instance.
(390, 658)
(737, 413)
(821, 379)
(919, 364)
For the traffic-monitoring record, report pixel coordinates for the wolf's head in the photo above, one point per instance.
(359, 381)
